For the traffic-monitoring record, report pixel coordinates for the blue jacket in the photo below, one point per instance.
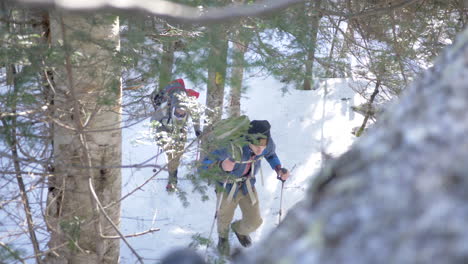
(222, 154)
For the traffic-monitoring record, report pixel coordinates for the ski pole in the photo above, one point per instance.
(283, 170)
(198, 149)
(218, 206)
(158, 152)
(281, 195)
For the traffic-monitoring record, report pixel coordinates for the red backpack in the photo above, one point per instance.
(166, 94)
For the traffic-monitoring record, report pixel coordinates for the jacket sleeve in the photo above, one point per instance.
(213, 159)
(271, 156)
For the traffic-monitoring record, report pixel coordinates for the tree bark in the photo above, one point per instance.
(217, 65)
(167, 64)
(314, 24)
(398, 195)
(87, 140)
(240, 44)
(239, 49)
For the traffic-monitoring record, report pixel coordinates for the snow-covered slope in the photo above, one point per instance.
(304, 123)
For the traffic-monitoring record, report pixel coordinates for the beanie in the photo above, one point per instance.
(259, 128)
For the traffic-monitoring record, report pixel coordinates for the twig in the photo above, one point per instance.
(154, 175)
(116, 228)
(144, 220)
(14, 254)
(151, 230)
(47, 251)
(12, 141)
(368, 112)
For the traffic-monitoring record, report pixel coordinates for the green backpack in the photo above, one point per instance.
(228, 133)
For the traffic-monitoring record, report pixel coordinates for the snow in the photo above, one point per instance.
(304, 123)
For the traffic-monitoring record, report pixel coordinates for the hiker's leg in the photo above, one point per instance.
(172, 165)
(225, 215)
(174, 156)
(251, 218)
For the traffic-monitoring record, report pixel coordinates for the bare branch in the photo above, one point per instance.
(152, 177)
(116, 228)
(368, 111)
(370, 12)
(7, 248)
(12, 141)
(166, 9)
(51, 250)
(151, 230)
(25, 113)
(187, 14)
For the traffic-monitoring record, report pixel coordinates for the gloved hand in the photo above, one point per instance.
(198, 133)
(282, 173)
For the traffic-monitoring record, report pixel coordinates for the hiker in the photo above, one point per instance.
(169, 123)
(236, 182)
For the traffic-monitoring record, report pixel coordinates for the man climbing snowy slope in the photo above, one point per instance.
(235, 167)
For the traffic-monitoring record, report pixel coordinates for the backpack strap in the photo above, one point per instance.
(236, 152)
(245, 180)
(248, 184)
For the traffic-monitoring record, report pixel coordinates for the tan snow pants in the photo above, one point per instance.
(251, 218)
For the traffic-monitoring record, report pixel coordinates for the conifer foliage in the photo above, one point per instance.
(68, 87)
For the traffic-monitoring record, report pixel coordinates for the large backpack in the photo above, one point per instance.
(228, 133)
(167, 94)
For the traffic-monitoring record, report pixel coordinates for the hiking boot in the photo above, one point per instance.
(223, 246)
(170, 187)
(244, 240)
(172, 183)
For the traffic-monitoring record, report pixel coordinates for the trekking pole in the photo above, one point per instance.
(158, 152)
(218, 206)
(281, 196)
(283, 170)
(198, 149)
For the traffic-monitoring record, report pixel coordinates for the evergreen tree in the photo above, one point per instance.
(25, 129)
(49, 127)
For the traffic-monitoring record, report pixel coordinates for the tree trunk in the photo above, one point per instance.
(167, 63)
(217, 65)
(398, 195)
(216, 72)
(87, 141)
(239, 47)
(315, 22)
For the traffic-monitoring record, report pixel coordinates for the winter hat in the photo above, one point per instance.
(259, 129)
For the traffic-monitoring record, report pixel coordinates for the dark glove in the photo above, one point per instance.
(198, 133)
(282, 173)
